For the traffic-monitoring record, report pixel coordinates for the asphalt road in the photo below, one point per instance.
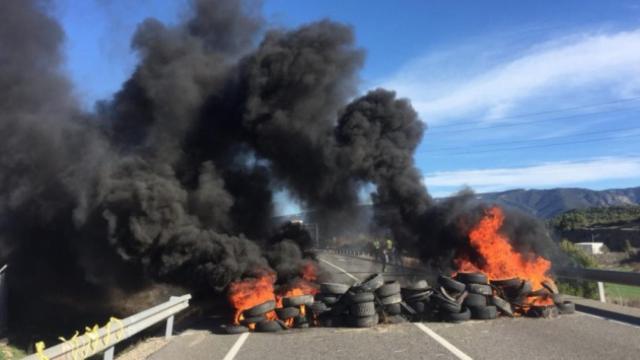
(578, 336)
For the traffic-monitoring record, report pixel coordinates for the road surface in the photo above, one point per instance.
(578, 336)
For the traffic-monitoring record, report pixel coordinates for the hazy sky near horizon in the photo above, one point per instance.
(515, 95)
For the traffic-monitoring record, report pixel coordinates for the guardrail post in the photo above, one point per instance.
(108, 355)
(601, 291)
(169, 331)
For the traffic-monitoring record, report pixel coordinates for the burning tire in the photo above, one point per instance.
(485, 290)
(287, 312)
(252, 320)
(393, 309)
(372, 282)
(501, 305)
(268, 326)
(475, 300)
(451, 285)
(366, 321)
(333, 288)
(463, 315)
(472, 278)
(236, 329)
(392, 299)
(513, 282)
(389, 288)
(363, 309)
(566, 307)
(484, 313)
(260, 309)
(297, 300)
(355, 298)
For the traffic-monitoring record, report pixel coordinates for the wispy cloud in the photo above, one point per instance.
(552, 174)
(491, 88)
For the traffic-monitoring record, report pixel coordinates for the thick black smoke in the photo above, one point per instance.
(173, 178)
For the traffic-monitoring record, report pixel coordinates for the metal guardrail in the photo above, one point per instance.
(106, 337)
(599, 276)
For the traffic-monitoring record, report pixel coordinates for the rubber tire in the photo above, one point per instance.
(365, 322)
(418, 285)
(252, 320)
(513, 282)
(475, 300)
(501, 305)
(446, 304)
(463, 315)
(423, 295)
(472, 278)
(354, 298)
(334, 288)
(484, 312)
(566, 307)
(525, 289)
(268, 326)
(451, 284)
(363, 309)
(417, 306)
(392, 299)
(319, 307)
(446, 294)
(236, 329)
(297, 301)
(389, 288)
(551, 286)
(393, 309)
(485, 290)
(331, 321)
(372, 283)
(328, 299)
(287, 312)
(557, 299)
(261, 309)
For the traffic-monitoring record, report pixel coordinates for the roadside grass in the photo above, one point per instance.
(622, 291)
(8, 352)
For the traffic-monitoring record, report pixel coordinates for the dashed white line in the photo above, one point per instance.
(236, 347)
(339, 268)
(442, 341)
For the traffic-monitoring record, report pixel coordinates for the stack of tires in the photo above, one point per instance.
(361, 301)
(362, 308)
(448, 300)
(389, 296)
(564, 307)
(479, 295)
(328, 307)
(292, 310)
(416, 295)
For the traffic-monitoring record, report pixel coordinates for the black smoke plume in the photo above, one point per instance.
(172, 179)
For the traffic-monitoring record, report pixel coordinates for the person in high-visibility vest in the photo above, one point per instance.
(376, 248)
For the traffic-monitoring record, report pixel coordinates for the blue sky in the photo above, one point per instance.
(515, 95)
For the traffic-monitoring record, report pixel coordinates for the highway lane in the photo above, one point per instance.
(579, 336)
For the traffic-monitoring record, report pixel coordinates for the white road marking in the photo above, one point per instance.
(339, 268)
(236, 347)
(607, 319)
(442, 341)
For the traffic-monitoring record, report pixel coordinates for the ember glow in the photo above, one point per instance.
(499, 260)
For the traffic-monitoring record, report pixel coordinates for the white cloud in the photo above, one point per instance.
(552, 174)
(568, 65)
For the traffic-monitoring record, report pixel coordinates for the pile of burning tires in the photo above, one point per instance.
(454, 299)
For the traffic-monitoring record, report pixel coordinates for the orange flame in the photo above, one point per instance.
(245, 294)
(499, 259)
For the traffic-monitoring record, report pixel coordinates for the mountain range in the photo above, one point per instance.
(546, 204)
